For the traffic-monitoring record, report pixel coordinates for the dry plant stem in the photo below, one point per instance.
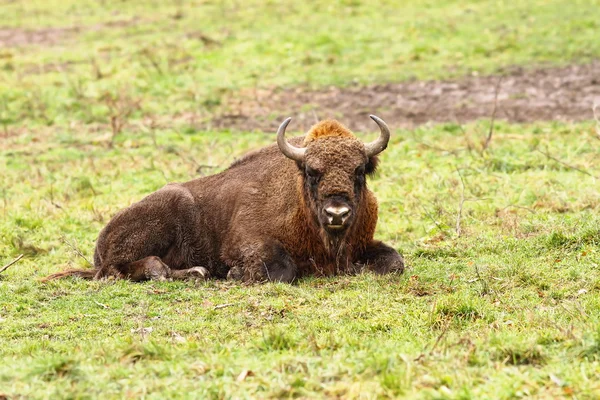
(315, 116)
(597, 119)
(485, 289)
(434, 221)
(4, 202)
(152, 59)
(583, 171)
(516, 206)
(439, 338)
(16, 260)
(488, 139)
(219, 306)
(75, 250)
(437, 342)
(120, 108)
(142, 320)
(437, 148)
(461, 204)
(76, 87)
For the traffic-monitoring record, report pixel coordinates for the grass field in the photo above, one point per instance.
(502, 291)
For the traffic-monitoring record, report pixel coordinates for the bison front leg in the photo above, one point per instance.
(153, 268)
(190, 273)
(261, 262)
(146, 269)
(381, 259)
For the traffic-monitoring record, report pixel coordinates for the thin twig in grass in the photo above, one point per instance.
(488, 139)
(469, 147)
(4, 202)
(439, 338)
(578, 314)
(199, 167)
(567, 332)
(75, 250)
(432, 313)
(101, 304)
(485, 289)
(516, 206)
(551, 157)
(315, 116)
(152, 127)
(255, 92)
(98, 74)
(142, 321)
(4, 119)
(437, 148)
(219, 306)
(151, 57)
(267, 271)
(434, 221)
(77, 87)
(5, 128)
(16, 260)
(436, 343)
(55, 204)
(460, 204)
(37, 106)
(597, 119)
(120, 108)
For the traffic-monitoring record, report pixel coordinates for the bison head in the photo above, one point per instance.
(334, 163)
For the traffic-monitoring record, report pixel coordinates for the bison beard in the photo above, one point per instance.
(298, 208)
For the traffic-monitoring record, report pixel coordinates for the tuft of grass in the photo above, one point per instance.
(144, 351)
(591, 350)
(53, 368)
(562, 241)
(276, 340)
(520, 354)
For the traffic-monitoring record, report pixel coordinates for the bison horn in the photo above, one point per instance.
(293, 152)
(381, 142)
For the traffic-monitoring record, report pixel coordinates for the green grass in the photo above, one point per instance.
(509, 308)
(506, 309)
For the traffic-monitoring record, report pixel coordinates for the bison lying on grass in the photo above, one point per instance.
(299, 208)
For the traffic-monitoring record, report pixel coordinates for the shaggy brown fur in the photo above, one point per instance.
(327, 128)
(261, 219)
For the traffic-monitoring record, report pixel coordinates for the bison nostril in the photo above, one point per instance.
(337, 215)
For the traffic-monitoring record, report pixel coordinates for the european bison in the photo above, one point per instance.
(299, 208)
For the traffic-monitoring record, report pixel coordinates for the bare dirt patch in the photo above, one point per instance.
(524, 95)
(16, 37)
(19, 37)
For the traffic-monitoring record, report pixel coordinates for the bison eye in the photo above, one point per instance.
(360, 171)
(313, 176)
(313, 173)
(359, 177)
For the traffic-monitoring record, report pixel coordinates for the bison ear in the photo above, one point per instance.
(371, 165)
(300, 165)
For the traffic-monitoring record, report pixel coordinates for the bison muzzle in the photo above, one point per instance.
(298, 208)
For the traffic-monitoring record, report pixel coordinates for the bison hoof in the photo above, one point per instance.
(394, 266)
(156, 271)
(235, 274)
(198, 273)
(190, 273)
